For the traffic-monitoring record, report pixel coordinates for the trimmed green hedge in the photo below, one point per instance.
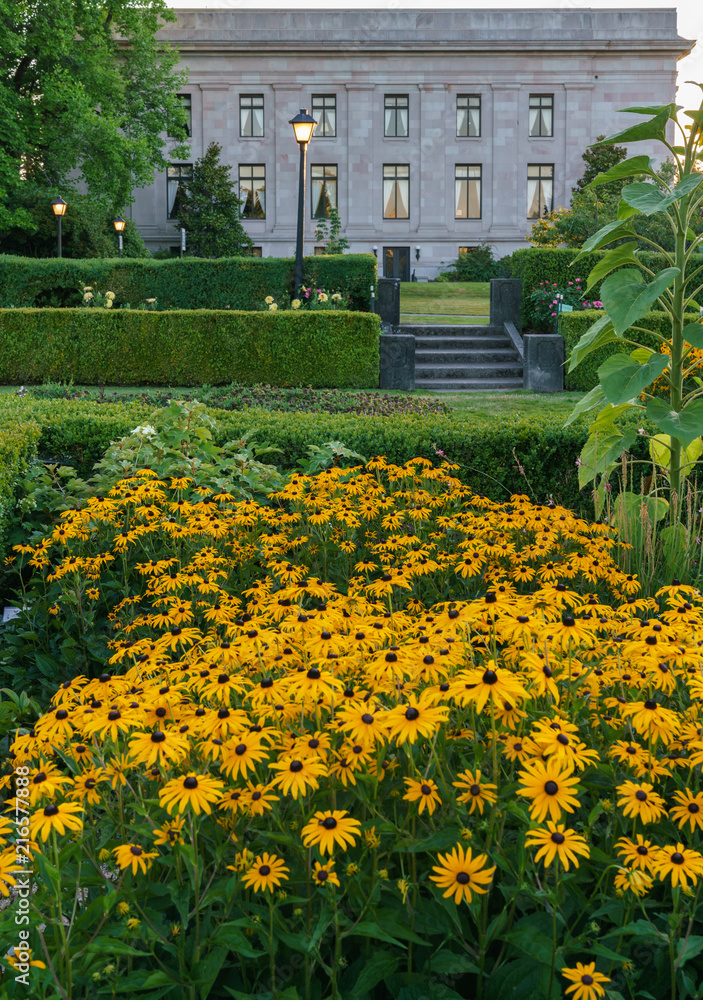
(322, 349)
(536, 264)
(191, 283)
(572, 326)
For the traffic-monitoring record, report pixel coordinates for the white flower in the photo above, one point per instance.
(109, 295)
(273, 307)
(640, 430)
(268, 300)
(295, 304)
(87, 288)
(108, 303)
(145, 430)
(337, 297)
(87, 297)
(150, 301)
(322, 297)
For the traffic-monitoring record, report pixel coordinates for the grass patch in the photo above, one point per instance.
(447, 298)
(445, 319)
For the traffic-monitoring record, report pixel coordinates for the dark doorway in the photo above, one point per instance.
(396, 263)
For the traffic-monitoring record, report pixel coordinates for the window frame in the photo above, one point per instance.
(468, 167)
(171, 214)
(189, 126)
(468, 97)
(324, 166)
(395, 108)
(251, 167)
(539, 108)
(396, 178)
(242, 107)
(539, 179)
(324, 97)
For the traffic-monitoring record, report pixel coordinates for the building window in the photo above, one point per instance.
(468, 115)
(541, 114)
(256, 252)
(187, 132)
(252, 190)
(540, 189)
(251, 115)
(320, 251)
(178, 177)
(324, 109)
(396, 115)
(323, 177)
(467, 249)
(396, 191)
(467, 191)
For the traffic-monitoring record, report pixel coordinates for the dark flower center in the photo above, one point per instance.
(551, 787)
(462, 878)
(322, 875)
(640, 795)
(651, 705)
(240, 749)
(190, 783)
(329, 822)
(313, 674)
(411, 714)
(38, 778)
(564, 740)
(558, 838)
(51, 810)
(693, 807)
(425, 789)
(367, 719)
(136, 850)
(158, 737)
(642, 850)
(490, 677)
(677, 859)
(264, 870)
(61, 714)
(475, 789)
(587, 980)
(295, 766)
(255, 796)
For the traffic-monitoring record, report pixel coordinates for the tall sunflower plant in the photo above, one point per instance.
(629, 290)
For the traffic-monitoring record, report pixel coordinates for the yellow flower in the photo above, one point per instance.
(55, 817)
(268, 300)
(327, 830)
(123, 909)
(295, 304)
(425, 792)
(267, 871)
(195, 791)
(587, 982)
(460, 874)
(135, 857)
(273, 307)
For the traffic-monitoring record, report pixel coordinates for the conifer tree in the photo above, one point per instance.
(209, 210)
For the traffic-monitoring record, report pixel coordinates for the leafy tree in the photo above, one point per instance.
(87, 94)
(209, 210)
(330, 230)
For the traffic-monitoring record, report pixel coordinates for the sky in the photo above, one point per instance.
(690, 21)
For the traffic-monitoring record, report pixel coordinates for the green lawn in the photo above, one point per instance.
(464, 301)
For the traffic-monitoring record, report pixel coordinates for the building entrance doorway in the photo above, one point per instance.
(396, 263)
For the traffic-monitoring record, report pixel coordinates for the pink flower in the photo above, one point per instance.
(553, 314)
(571, 282)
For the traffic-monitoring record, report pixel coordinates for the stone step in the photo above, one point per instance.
(422, 330)
(461, 343)
(474, 357)
(469, 384)
(496, 370)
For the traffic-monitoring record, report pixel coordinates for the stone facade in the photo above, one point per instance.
(591, 62)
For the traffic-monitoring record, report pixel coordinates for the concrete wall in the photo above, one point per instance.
(593, 62)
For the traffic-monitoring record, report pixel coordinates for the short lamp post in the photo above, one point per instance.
(303, 124)
(58, 207)
(119, 225)
(375, 251)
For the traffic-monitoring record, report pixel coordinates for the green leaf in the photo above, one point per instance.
(685, 426)
(438, 841)
(627, 168)
(599, 333)
(605, 420)
(693, 335)
(626, 211)
(624, 379)
(606, 234)
(660, 453)
(589, 402)
(616, 257)
(654, 128)
(448, 963)
(600, 453)
(380, 965)
(648, 198)
(688, 949)
(626, 296)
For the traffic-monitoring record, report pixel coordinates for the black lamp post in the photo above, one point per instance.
(58, 207)
(119, 225)
(303, 124)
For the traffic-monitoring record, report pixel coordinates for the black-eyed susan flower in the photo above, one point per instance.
(460, 874)
(489, 682)
(476, 792)
(170, 834)
(297, 775)
(17, 957)
(689, 809)
(242, 753)
(640, 801)
(329, 829)
(652, 720)
(135, 857)
(638, 853)
(46, 782)
(633, 880)
(85, 786)
(587, 983)
(419, 718)
(53, 817)
(259, 799)
(267, 872)
(425, 792)
(190, 791)
(158, 746)
(679, 864)
(557, 842)
(550, 789)
(324, 874)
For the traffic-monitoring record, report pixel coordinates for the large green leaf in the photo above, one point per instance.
(648, 198)
(693, 335)
(627, 297)
(685, 426)
(651, 109)
(633, 167)
(624, 254)
(601, 452)
(660, 452)
(376, 968)
(617, 230)
(654, 128)
(599, 333)
(589, 402)
(624, 379)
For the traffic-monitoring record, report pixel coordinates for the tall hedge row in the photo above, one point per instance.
(190, 283)
(534, 265)
(572, 326)
(324, 349)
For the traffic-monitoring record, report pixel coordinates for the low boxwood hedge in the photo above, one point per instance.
(573, 325)
(190, 283)
(325, 349)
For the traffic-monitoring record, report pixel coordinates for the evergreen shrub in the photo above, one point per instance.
(189, 347)
(188, 283)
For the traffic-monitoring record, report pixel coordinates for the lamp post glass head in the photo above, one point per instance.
(417, 253)
(58, 207)
(375, 250)
(303, 124)
(119, 224)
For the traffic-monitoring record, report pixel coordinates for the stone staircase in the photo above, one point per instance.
(464, 358)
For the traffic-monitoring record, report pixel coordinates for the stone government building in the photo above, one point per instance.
(437, 130)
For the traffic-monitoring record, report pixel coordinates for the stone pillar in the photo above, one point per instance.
(363, 175)
(388, 304)
(506, 300)
(543, 365)
(508, 191)
(397, 361)
(578, 135)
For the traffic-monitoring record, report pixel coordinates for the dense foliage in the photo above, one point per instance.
(209, 210)
(476, 264)
(377, 736)
(191, 283)
(61, 61)
(189, 347)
